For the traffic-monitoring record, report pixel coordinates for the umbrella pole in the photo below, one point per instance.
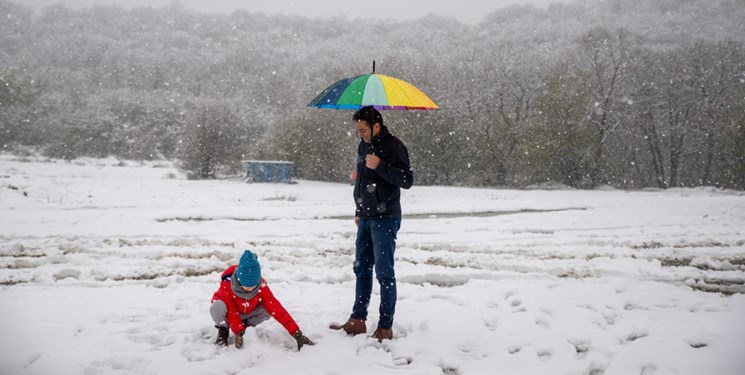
(371, 150)
(372, 127)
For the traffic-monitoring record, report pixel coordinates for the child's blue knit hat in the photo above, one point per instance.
(248, 270)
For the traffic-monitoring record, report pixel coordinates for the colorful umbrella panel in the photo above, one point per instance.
(377, 90)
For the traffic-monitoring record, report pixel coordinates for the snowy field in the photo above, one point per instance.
(107, 267)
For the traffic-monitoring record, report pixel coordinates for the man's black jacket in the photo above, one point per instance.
(377, 193)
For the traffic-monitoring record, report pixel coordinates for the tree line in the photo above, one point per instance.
(626, 93)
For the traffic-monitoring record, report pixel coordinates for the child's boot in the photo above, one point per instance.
(222, 336)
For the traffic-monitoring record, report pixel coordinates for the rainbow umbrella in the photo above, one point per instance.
(377, 90)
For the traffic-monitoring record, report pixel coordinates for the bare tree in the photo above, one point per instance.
(210, 141)
(716, 75)
(605, 58)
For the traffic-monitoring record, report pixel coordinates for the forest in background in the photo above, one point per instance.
(627, 93)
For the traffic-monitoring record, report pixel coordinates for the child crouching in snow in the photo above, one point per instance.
(245, 300)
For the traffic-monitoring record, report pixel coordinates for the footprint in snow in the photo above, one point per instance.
(698, 344)
(449, 370)
(635, 335)
(386, 346)
(491, 322)
(508, 294)
(542, 322)
(544, 355)
(595, 369)
(581, 347)
(517, 306)
(514, 349)
(197, 353)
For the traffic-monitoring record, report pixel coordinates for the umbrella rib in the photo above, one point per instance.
(404, 92)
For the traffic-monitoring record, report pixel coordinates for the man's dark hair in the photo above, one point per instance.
(369, 114)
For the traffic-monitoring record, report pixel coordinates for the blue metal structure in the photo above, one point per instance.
(268, 171)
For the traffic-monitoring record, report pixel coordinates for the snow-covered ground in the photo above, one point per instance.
(108, 267)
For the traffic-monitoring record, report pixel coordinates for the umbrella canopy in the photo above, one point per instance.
(377, 90)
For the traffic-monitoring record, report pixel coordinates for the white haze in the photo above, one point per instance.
(468, 11)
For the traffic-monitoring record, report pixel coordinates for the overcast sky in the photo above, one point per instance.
(469, 11)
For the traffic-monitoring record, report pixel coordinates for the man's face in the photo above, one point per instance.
(363, 129)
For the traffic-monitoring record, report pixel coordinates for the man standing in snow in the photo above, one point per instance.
(245, 300)
(382, 170)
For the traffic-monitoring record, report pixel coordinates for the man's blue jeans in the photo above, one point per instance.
(376, 245)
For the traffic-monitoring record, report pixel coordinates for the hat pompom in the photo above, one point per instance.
(248, 271)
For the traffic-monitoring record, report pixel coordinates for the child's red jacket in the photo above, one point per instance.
(237, 306)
